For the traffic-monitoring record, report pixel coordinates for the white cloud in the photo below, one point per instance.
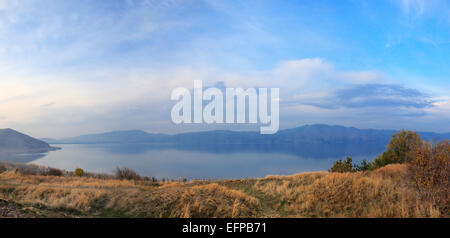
(72, 103)
(74, 97)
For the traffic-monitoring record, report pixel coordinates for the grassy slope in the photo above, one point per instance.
(381, 193)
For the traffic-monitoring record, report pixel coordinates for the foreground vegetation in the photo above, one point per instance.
(380, 193)
(411, 179)
(427, 163)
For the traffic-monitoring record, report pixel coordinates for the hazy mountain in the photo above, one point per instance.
(12, 141)
(312, 134)
(133, 136)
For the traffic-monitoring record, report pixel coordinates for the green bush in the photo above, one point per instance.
(382, 160)
(78, 172)
(363, 167)
(342, 166)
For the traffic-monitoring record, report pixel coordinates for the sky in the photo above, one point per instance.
(79, 66)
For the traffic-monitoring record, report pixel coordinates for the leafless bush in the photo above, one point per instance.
(52, 172)
(26, 171)
(3, 168)
(430, 172)
(127, 174)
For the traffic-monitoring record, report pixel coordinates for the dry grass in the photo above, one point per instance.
(380, 193)
(97, 197)
(214, 200)
(396, 172)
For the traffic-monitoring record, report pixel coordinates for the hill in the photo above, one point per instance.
(12, 141)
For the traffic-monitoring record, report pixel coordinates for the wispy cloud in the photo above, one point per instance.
(425, 8)
(374, 95)
(415, 7)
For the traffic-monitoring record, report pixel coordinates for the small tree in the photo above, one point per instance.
(401, 149)
(403, 146)
(79, 172)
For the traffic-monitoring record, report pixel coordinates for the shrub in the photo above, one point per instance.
(401, 149)
(430, 172)
(26, 171)
(79, 172)
(52, 172)
(127, 174)
(342, 166)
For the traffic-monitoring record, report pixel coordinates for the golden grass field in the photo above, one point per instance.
(380, 193)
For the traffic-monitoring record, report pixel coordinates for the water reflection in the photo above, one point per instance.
(201, 161)
(306, 150)
(21, 158)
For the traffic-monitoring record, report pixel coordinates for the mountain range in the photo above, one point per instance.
(313, 134)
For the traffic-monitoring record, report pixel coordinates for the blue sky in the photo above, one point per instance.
(74, 67)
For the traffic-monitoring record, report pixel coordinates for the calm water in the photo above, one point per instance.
(224, 161)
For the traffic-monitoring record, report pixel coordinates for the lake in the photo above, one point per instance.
(172, 161)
